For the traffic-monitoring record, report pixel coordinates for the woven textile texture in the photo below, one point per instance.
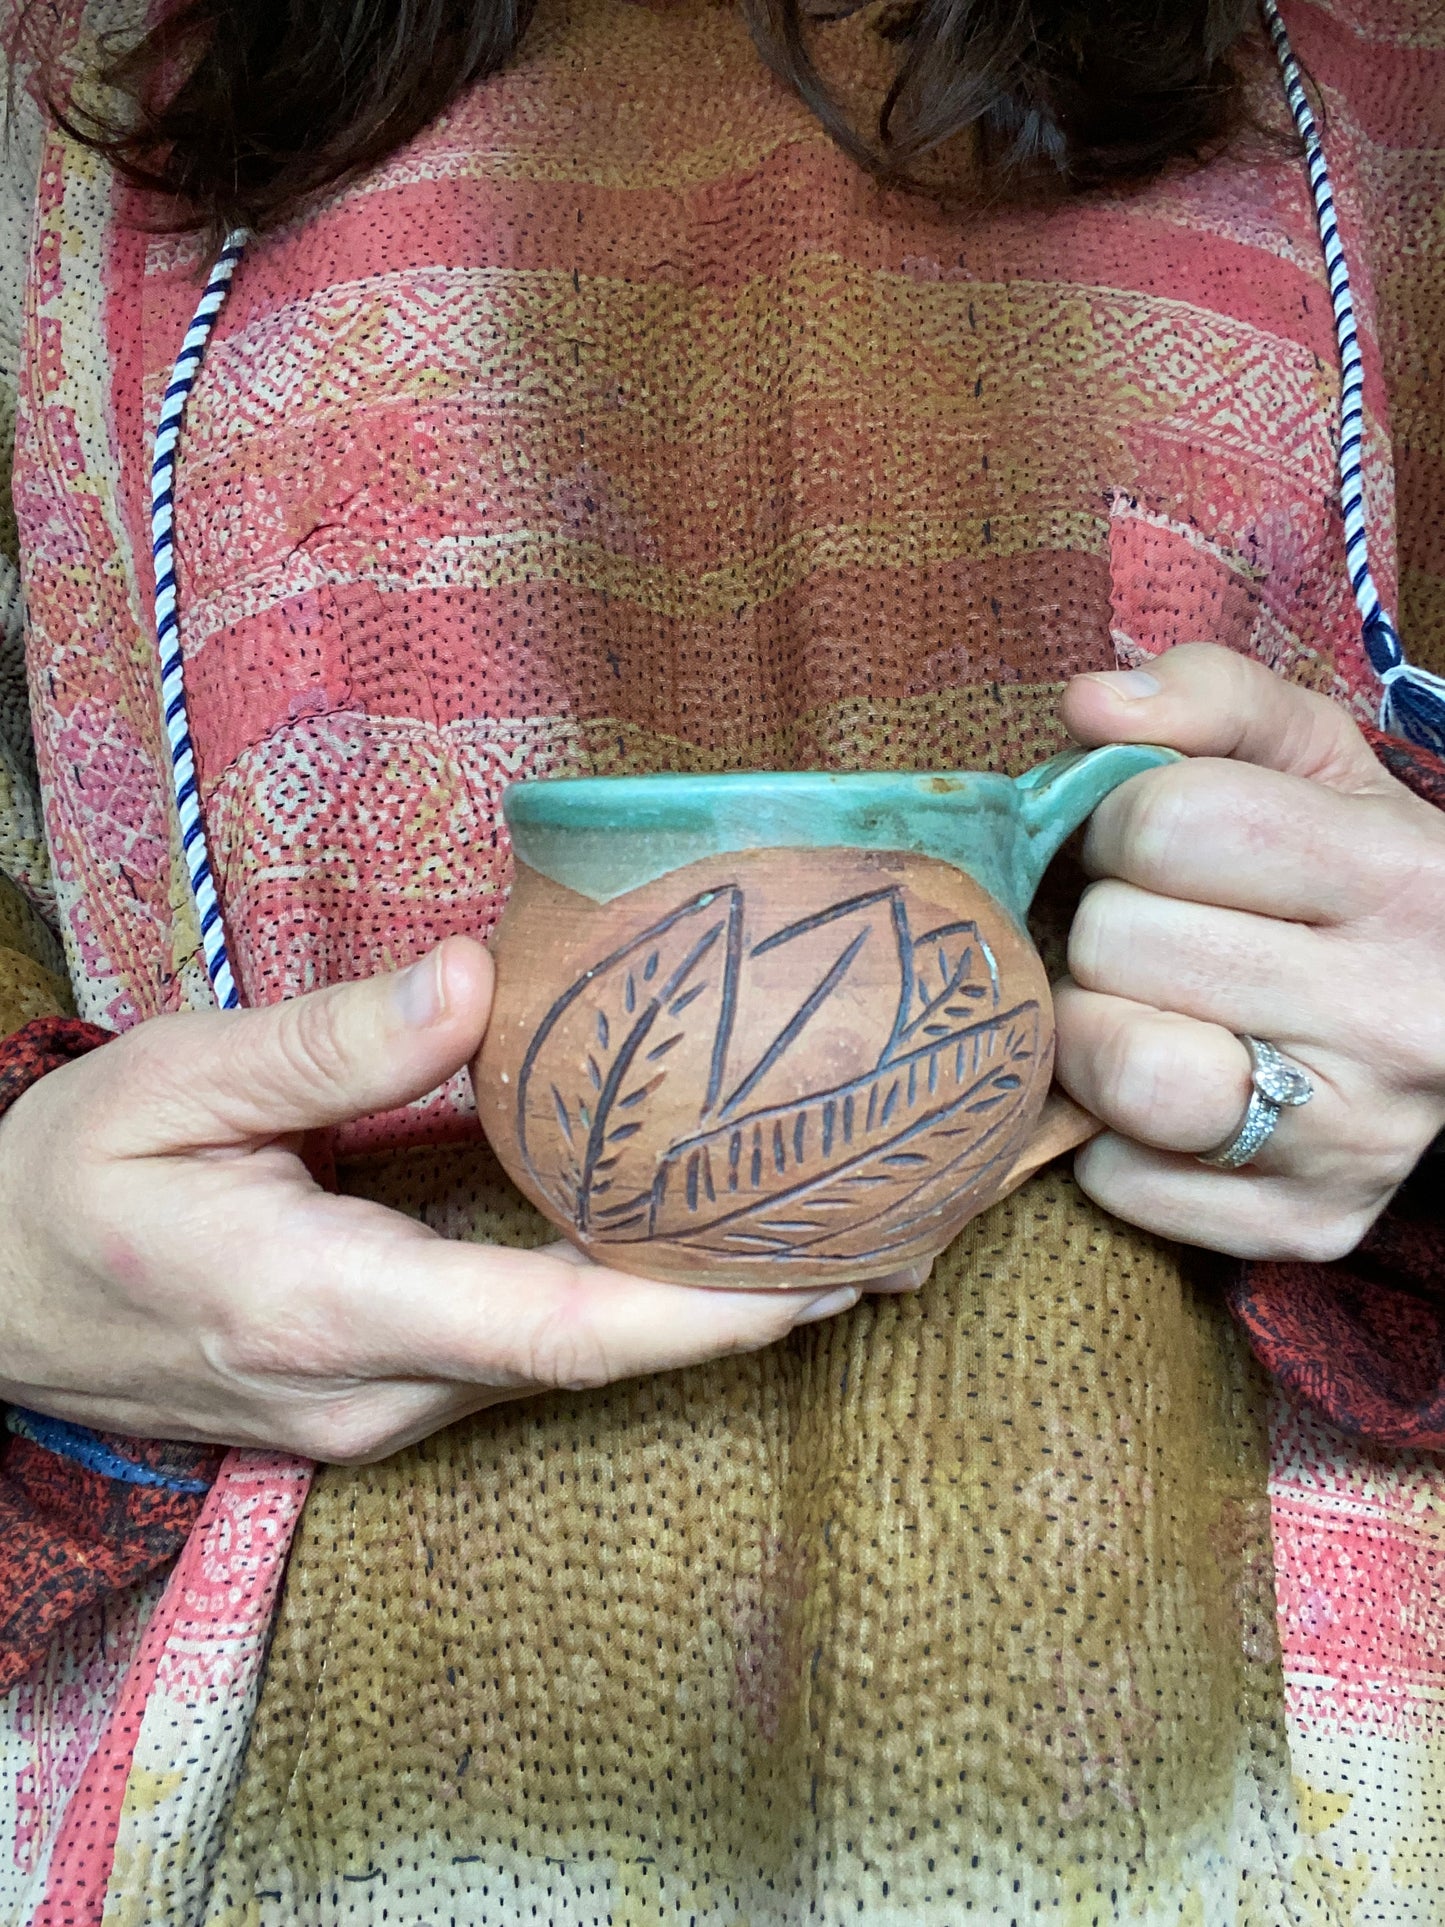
(619, 423)
(82, 1516)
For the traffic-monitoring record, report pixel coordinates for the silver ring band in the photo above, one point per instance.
(1277, 1085)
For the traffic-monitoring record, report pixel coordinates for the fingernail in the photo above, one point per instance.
(419, 992)
(1132, 684)
(830, 1304)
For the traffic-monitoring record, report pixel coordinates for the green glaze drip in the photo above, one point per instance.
(604, 835)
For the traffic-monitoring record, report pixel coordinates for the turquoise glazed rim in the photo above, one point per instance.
(604, 835)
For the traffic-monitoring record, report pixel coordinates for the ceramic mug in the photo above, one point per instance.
(777, 1029)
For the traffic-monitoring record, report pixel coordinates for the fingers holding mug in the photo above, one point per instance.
(1158, 1077)
(1227, 1141)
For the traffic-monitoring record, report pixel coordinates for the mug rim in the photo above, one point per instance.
(561, 802)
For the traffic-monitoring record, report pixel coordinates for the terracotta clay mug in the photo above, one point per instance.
(774, 1029)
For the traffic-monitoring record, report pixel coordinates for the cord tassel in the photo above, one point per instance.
(1412, 700)
(1412, 704)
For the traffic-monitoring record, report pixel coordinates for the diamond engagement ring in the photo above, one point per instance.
(1278, 1085)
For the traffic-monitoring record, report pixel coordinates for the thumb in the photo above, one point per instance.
(234, 1078)
(1209, 701)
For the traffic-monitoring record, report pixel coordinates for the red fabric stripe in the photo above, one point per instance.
(325, 652)
(637, 232)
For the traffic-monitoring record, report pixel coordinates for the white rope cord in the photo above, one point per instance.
(1412, 702)
(168, 628)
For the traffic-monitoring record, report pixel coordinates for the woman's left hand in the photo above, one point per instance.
(1282, 886)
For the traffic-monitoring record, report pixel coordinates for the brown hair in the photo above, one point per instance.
(238, 111)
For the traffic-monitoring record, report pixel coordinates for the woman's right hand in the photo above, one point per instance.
(168, 1267)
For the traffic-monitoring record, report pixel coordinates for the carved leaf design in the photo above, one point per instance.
(821, 990)
(916, 1131)
(656, 1011)
(952, 980)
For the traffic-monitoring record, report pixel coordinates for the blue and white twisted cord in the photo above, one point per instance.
(168, 628)
(1412, 701)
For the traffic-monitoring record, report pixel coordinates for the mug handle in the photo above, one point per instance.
(1063, 1126)
(1055, 797)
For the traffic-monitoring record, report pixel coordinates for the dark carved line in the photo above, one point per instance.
(610, 1213)
(951, 929)
(901, 1227)
(626, 1224)
(659, 1192)
(732, 968)
(569, 997)
(1003, 1084)
(1001, 1154)
(903, 939)
(950, 984)
(965, 1102)
(821, 917)
(622, 1064)
(644, 1090)
(925, 1053)
(820, 995)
